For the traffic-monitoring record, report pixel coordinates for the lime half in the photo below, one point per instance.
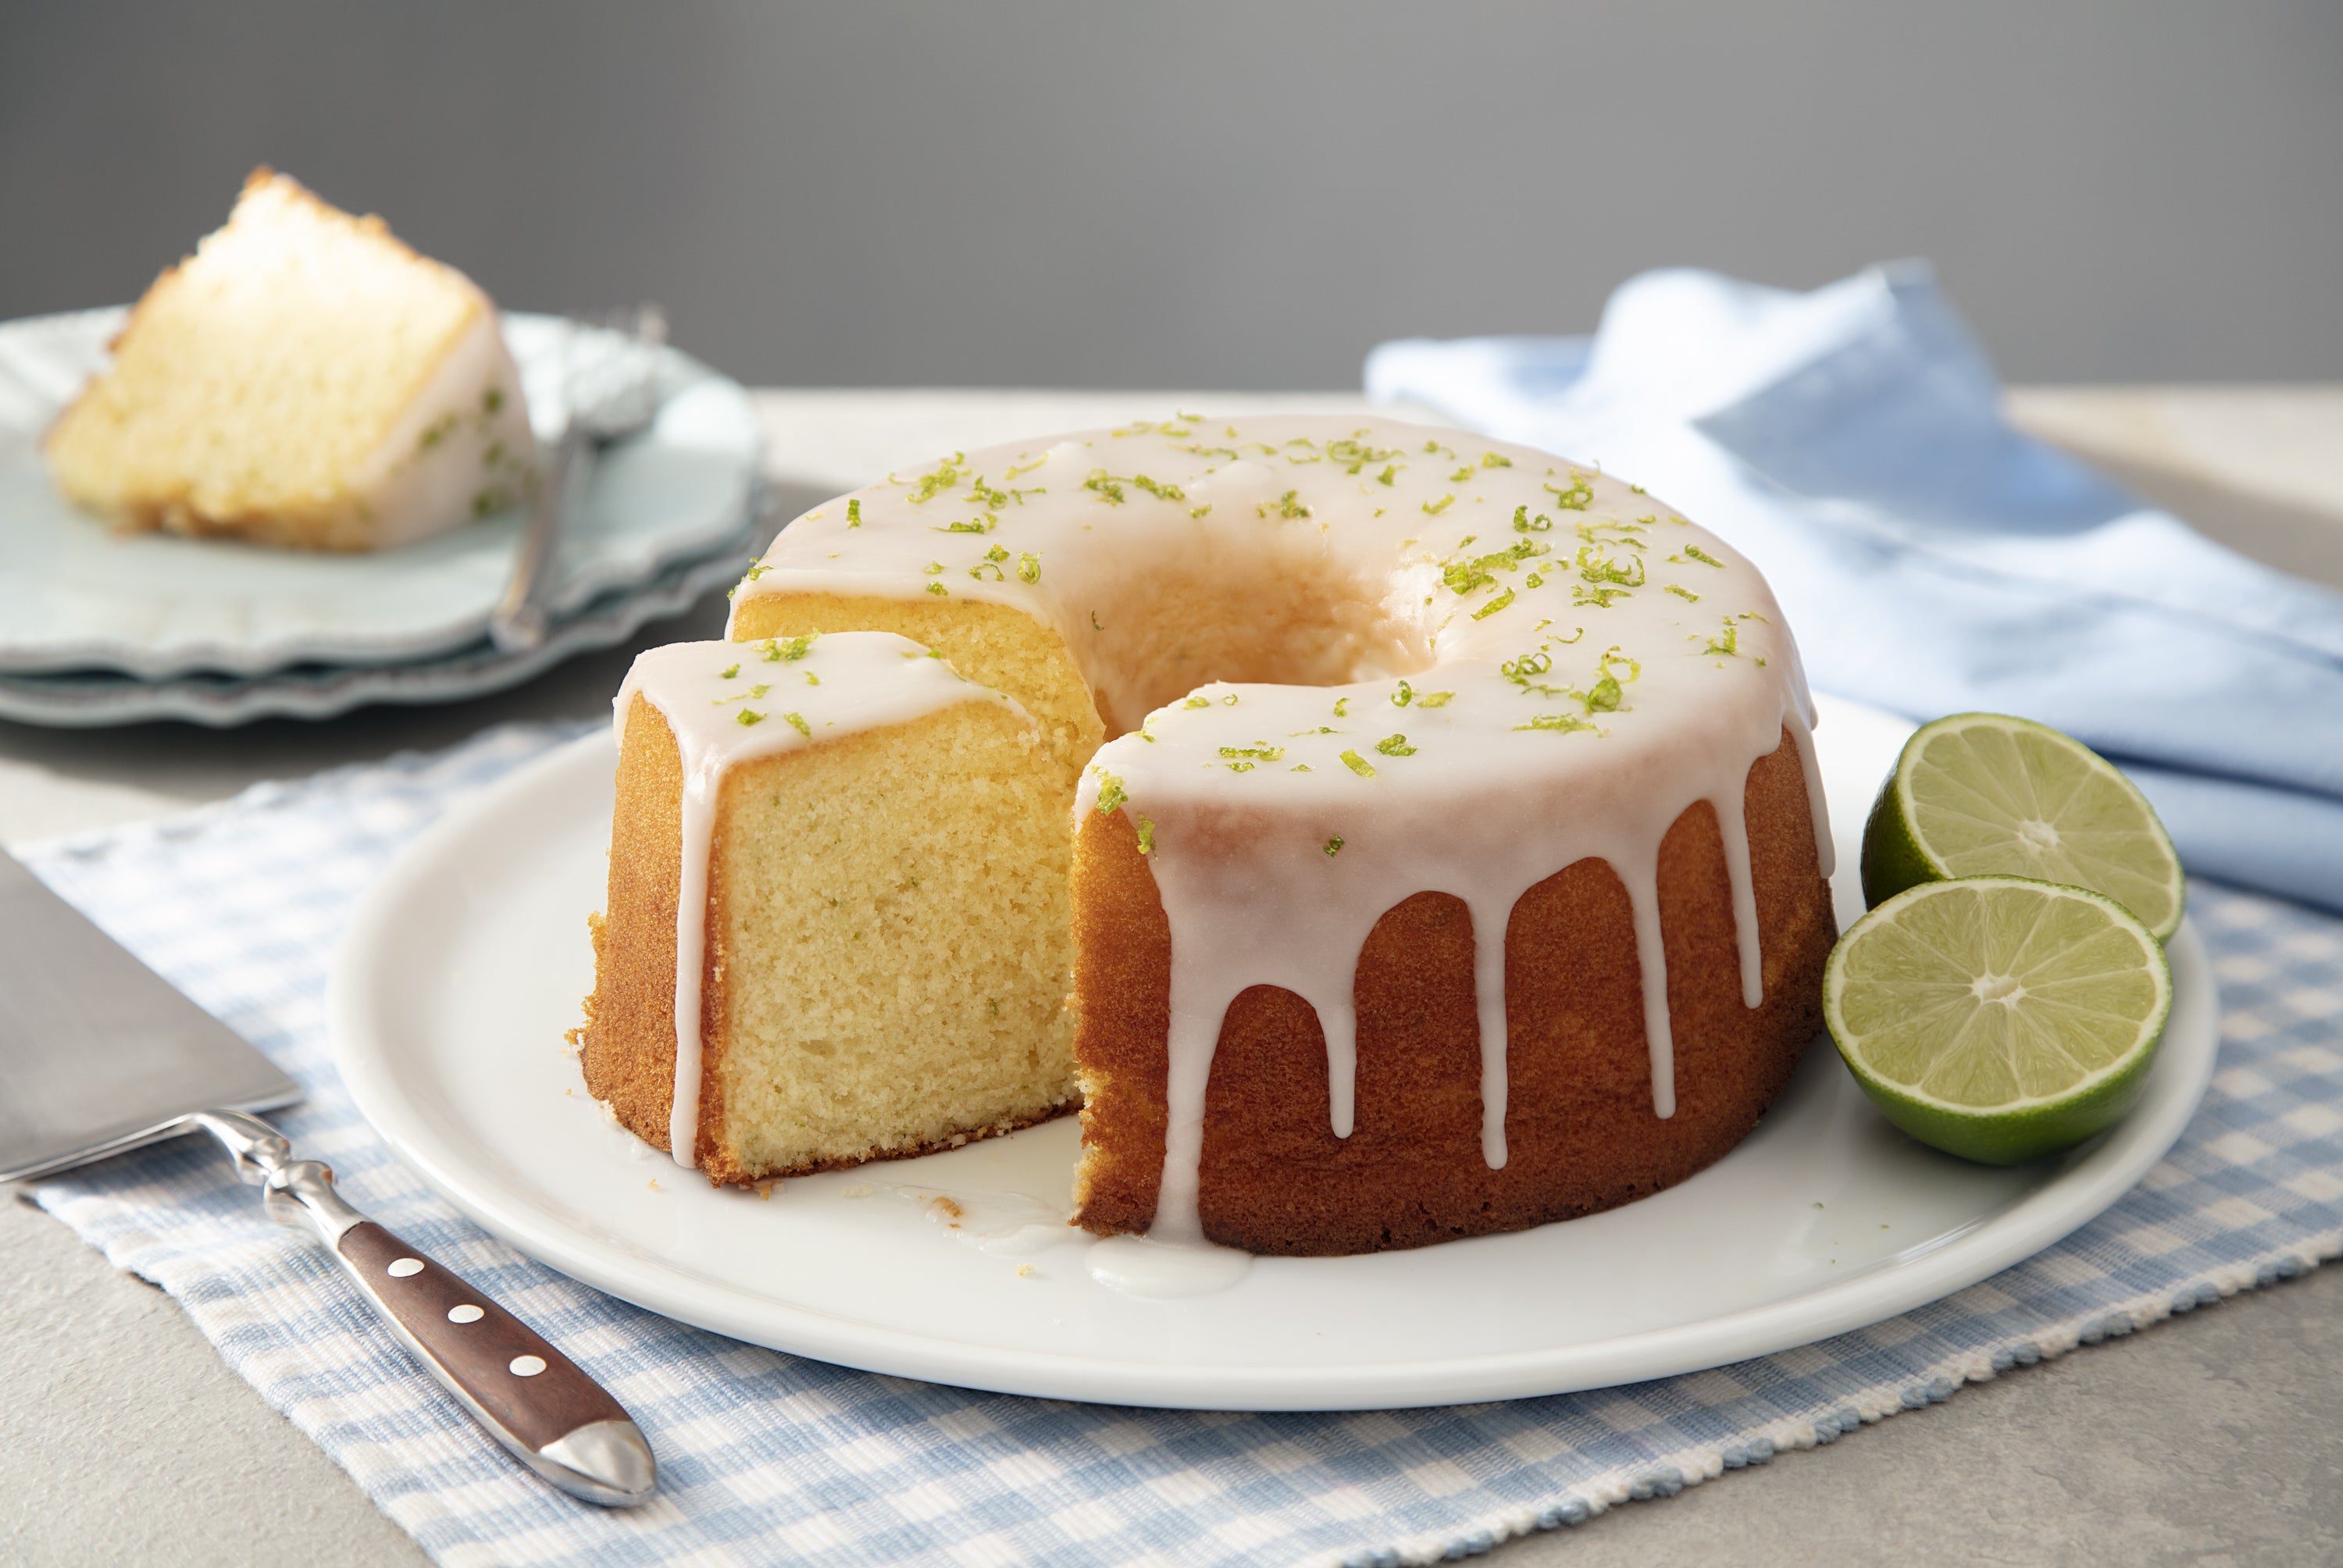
(1997, 1017)
(1981, 794)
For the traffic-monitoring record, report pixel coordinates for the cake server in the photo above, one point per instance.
(99, 1054)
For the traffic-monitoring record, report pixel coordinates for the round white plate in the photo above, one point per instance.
(466, 962)
(74, 595)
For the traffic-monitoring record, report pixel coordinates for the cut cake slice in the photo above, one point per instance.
(875, 956)
(303, 379)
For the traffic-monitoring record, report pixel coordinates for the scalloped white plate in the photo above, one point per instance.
(92, 698)
(466, 962)
(75, 596)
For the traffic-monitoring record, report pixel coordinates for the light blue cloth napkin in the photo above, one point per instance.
(1932, 559)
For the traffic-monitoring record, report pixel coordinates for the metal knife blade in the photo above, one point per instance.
(98, 1053)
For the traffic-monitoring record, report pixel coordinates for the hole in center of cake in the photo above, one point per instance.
(1252, 618)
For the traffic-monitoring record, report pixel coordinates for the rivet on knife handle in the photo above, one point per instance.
(531, 1397)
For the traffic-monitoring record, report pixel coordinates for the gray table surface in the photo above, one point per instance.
(2216, 1438)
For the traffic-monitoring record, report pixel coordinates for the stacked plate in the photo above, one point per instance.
(100, 627)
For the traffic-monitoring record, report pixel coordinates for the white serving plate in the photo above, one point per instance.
(75, 595)
(466, 962)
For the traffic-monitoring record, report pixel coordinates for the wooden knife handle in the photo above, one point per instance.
(512, 1378)
(531, 1397)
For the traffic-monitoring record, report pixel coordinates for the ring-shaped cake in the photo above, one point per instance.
(1448, 850)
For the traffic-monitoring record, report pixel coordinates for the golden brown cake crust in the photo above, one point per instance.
(626, 1045)
(1580, 1130)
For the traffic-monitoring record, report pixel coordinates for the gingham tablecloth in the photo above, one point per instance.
(767, 1458)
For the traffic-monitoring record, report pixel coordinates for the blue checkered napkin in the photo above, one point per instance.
(771, 1459)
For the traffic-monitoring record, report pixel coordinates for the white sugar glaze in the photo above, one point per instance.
(799, 692)
(1544, 665)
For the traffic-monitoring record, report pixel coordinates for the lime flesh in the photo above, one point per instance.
(1982, 794)
(1997, 1017)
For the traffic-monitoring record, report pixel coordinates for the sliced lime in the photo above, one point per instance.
(1997, 1017)
(1982, 794)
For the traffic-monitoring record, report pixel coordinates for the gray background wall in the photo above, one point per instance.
(1222, 194)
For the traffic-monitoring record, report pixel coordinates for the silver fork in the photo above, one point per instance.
(610, 390)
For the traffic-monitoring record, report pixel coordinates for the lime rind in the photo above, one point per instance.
(2084, 1062)
(1990, 773)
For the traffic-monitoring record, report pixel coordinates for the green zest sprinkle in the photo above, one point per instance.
(1146, 837)
(1525, 523)
(1109, 488)
(1334, 845)
(1461, 475)
(730, 672)
(1434, 508)
(1239, 767)
(1200, 511)
(1260, 751)
(939, 590)
(1494, 460)
(1403, 696)
(1565, 722)
(1355, 454)
(1684, 593)
(1229, 700)
(1029, 567)
(1287, 507)
(493, 398)
(750, 716)
(1574, 498)
(1341, 708)
(1111, 794)
(854, 514)
(1394, 746)
(946, 476)
(1390, 476)
(788, 650)
(1358, 765)
(1027, 468)
(983, 524)
(1695, 553)
(760, 570)
(797, 722)
(1726, 643)
(811, 678)
(1598, 568)
(1494, 606)
(1435, 700)
(1197, 702)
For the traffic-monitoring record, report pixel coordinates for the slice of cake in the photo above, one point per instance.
(837, 925)
(303, 379)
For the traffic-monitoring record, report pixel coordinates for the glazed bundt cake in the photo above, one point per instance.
(1447, 853)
